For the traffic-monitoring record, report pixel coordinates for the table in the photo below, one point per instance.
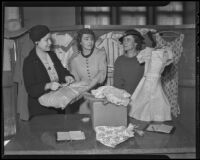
(38, 137)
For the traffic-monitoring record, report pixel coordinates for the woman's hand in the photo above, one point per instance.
(69, 80)
(52, 85)
(76, 99)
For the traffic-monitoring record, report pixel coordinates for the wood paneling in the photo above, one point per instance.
(50, 16)
(187, 102)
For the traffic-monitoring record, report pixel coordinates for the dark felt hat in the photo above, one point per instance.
(132, 32)
(38, 32)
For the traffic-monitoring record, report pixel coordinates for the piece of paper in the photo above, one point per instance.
(77, 135)
(160, 128)
(63, 136)
(71, 135)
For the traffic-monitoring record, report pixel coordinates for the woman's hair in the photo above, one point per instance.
(79, 37)
(139, 42)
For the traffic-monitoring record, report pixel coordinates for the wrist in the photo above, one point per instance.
(47, 86)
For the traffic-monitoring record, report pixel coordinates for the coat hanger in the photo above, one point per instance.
(169, 33)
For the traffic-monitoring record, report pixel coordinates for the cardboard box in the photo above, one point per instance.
(108, 115)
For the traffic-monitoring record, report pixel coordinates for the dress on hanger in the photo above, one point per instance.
(169, 78)
(149, 102)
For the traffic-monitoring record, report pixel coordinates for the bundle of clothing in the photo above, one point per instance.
(112, 136)
(112, 94)
(63, 96)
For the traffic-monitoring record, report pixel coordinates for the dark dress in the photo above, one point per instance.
(127, 73)
(35, 78)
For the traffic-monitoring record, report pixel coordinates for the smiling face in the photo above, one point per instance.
(45, 43)
(129, 43)
(87, 41)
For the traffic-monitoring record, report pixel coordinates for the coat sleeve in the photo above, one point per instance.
(34, 88)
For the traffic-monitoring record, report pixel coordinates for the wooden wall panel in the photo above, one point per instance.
(187, 101)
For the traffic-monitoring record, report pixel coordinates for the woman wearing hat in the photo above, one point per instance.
(90, 63)
(42, 71)
(127, 70)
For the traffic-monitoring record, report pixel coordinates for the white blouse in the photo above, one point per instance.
(49, 65)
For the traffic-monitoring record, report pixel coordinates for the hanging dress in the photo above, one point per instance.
(149, 102)
(169, 77)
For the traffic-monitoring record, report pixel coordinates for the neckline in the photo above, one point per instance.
(86, 56)
(130, 57)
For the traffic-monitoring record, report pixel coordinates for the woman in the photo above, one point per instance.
(42, 71)
(90, 64)
(127, 70)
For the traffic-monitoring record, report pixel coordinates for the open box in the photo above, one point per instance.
(108, 114)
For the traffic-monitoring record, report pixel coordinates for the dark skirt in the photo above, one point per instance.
(36, 109)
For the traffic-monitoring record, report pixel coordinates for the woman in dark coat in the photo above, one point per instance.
(43, 71)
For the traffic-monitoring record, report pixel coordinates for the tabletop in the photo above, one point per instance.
(38, 136)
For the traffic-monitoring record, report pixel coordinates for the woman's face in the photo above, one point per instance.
(45, 43)
(87, 41)
(129, 43)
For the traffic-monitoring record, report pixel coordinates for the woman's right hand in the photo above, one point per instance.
(52, 85)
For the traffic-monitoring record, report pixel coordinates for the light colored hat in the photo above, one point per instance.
(13, 34)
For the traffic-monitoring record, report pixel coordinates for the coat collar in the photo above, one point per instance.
(34, 56)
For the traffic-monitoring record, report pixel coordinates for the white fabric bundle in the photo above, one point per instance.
(113, 95)
(63, 96)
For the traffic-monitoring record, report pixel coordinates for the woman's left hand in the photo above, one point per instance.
(69, 80)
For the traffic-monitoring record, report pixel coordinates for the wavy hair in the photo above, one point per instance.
(139, 42)
(79, 37)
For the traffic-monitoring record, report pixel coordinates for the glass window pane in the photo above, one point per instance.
(133, 9)
(96, 9)
(172, 6)
(103, 20)
(96, 20)
(132, 20)
(89, 19)
(169, 20)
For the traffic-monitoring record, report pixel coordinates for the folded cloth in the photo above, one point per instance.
(112, 94)
(62, 97)
(112, 136)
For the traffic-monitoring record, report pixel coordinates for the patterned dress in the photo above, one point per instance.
(169, 77)
(149, 102)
